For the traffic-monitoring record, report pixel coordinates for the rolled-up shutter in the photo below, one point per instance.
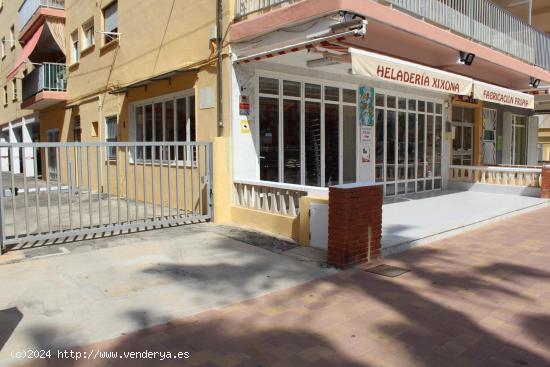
(111, 18)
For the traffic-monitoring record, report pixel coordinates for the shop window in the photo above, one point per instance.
(291, 141)
(269, 139)
(295, 146)
(111, 136)
(110, 22)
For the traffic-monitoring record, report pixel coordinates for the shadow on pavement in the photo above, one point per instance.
(9, 319)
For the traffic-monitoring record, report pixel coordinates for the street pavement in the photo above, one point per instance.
(481, 298)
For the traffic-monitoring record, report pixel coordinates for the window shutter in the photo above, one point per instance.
(111, 17)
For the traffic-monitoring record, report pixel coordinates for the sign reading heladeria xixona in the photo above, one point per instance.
(492, 93)
(387, 68)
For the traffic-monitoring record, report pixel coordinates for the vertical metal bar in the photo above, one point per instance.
(70, 190)
(14, 205)
(198, 147)
(48, 186)
(25, 195)
(35, 163)
(192, 179)
(117, 181)
(177, 148)
(88, 173)
(79, 163)
(153, 149)
(169, 182)
(57, 166)
(161, 153)
(99, 184)
(209, 179)
(108, 168)
(2, 222)
(126, 155)
(185, 153)
(144, 185)
(135, 183)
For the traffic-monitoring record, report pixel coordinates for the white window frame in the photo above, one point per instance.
(86, 28)
(14, 95)
(75, 51)
(260, 73)
(408, 96)
(108, 139)
(187, 94)
(12, 37)
(108, 38)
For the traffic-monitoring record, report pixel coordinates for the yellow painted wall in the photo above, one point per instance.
(269, 222)
(12, 111)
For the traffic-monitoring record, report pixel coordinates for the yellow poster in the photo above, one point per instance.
(245, 126)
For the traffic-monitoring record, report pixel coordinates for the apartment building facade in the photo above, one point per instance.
(17, 124)
(108, 71)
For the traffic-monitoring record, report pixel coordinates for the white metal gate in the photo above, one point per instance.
(101, 188)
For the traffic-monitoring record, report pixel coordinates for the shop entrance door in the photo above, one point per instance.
(463, 123)
(519, 140)
(462, 143)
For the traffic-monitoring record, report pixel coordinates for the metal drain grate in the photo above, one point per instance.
(387, 270)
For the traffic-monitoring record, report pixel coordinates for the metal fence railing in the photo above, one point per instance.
(29, 7)
(480, 20)
(73, 190)
(46, 77)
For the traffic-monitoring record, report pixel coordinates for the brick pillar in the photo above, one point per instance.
(355, 210)
(545, 183)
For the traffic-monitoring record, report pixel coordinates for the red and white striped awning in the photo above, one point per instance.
(327, 43)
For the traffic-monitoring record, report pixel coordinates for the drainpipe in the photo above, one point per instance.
(219, 36)
(530, 12)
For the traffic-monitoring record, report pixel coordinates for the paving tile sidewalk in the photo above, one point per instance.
(478, 299)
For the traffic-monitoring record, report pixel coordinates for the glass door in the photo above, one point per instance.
(408, 144)
(519, 140)
(463, 123)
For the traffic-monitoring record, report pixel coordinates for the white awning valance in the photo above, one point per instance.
(492, 93)
(394, 70)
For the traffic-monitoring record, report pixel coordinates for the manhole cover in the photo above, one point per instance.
(387, 270)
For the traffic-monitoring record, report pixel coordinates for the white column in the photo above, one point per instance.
(28, 153)
(14, 161)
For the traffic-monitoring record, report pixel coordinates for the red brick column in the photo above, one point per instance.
(545, 183)
(354, 211)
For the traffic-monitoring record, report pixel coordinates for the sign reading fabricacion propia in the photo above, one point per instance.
(377, 66)
(492, 93)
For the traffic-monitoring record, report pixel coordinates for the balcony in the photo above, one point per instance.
(479, 20)
(45, 86)
(31, 10)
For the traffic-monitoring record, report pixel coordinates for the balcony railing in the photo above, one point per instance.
(29, 7)
(480, 20)
(46, 77)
